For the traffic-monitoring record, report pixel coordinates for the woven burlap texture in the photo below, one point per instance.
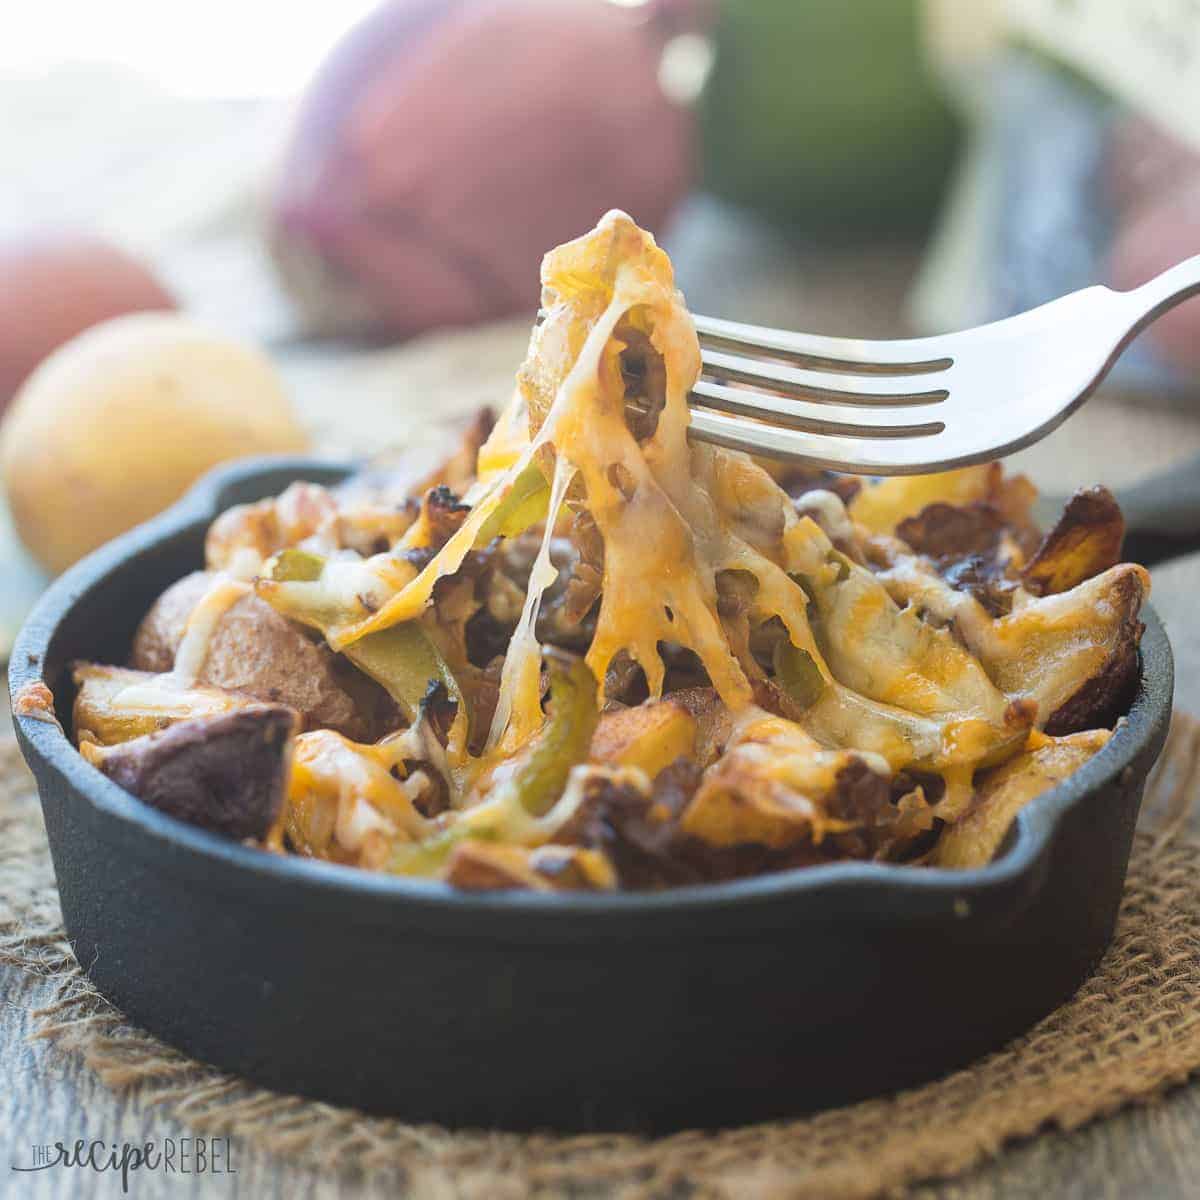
(1130, 1032)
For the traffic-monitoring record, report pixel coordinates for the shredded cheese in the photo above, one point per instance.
(518, 707)
(679, 520)
(221, 596)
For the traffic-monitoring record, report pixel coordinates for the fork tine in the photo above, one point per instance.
(913, 356)
(888, 455)
(825, 387)
(832, 419)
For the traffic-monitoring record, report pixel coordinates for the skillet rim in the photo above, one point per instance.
(884, 890)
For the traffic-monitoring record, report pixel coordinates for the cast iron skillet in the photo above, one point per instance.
(702, 1006)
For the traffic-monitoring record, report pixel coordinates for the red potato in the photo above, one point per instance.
(446, 146)
(256, 652)
(226, 772)
(55, 285)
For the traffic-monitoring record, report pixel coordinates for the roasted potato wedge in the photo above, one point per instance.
(1003, 791)
(1085, 541)
(880, 507)
(225, 772)
(116, 704)
(257, 652)
(1074, 654)
(777, 786)
(648, 736)
(485, 866)
(714, 722)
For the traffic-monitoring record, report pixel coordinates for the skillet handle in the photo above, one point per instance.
(1162, 515)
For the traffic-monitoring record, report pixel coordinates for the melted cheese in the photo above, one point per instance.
(414, 597)
(1047, 647)
(657, 503)
(674, 517)
(222, 595)
(519, 706)
(341, 794)
(770, 785)
(665, 538)
(505, 445)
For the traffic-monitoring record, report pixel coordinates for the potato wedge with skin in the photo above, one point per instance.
(650, 736)
(777, 786)
(734, 809)
(1075, 653)
(1002, 792)
(881, 506)
(1085, 541)
(1100, 697)
(260, 653)
(486, 866)
(714, 722)
(888, 654)
(116, 704)
(738, 803)
(227, 772)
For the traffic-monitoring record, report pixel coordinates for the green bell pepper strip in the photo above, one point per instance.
(526, 504)
(294, 566)
(402, 659)
(797, 674)
(531, 791)
(564, 740)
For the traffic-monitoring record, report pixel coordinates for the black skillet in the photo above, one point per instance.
(702, 1006)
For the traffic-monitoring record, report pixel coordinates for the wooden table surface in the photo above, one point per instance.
(1145, 1152)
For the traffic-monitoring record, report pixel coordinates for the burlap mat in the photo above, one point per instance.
(1130, 1032)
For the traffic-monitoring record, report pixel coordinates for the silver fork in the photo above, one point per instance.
(922, 404)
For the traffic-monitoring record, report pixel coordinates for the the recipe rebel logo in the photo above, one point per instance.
(172, 1156)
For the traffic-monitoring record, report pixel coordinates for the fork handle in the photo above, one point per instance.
(1165, 291)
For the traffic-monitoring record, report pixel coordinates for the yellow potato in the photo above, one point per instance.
(119, 422)
(882, 506)
(1003, 792)
(116, 704)
(650, 736)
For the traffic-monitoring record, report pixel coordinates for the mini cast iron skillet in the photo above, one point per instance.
(702, 1006)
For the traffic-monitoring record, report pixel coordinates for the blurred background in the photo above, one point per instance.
(344, 207)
